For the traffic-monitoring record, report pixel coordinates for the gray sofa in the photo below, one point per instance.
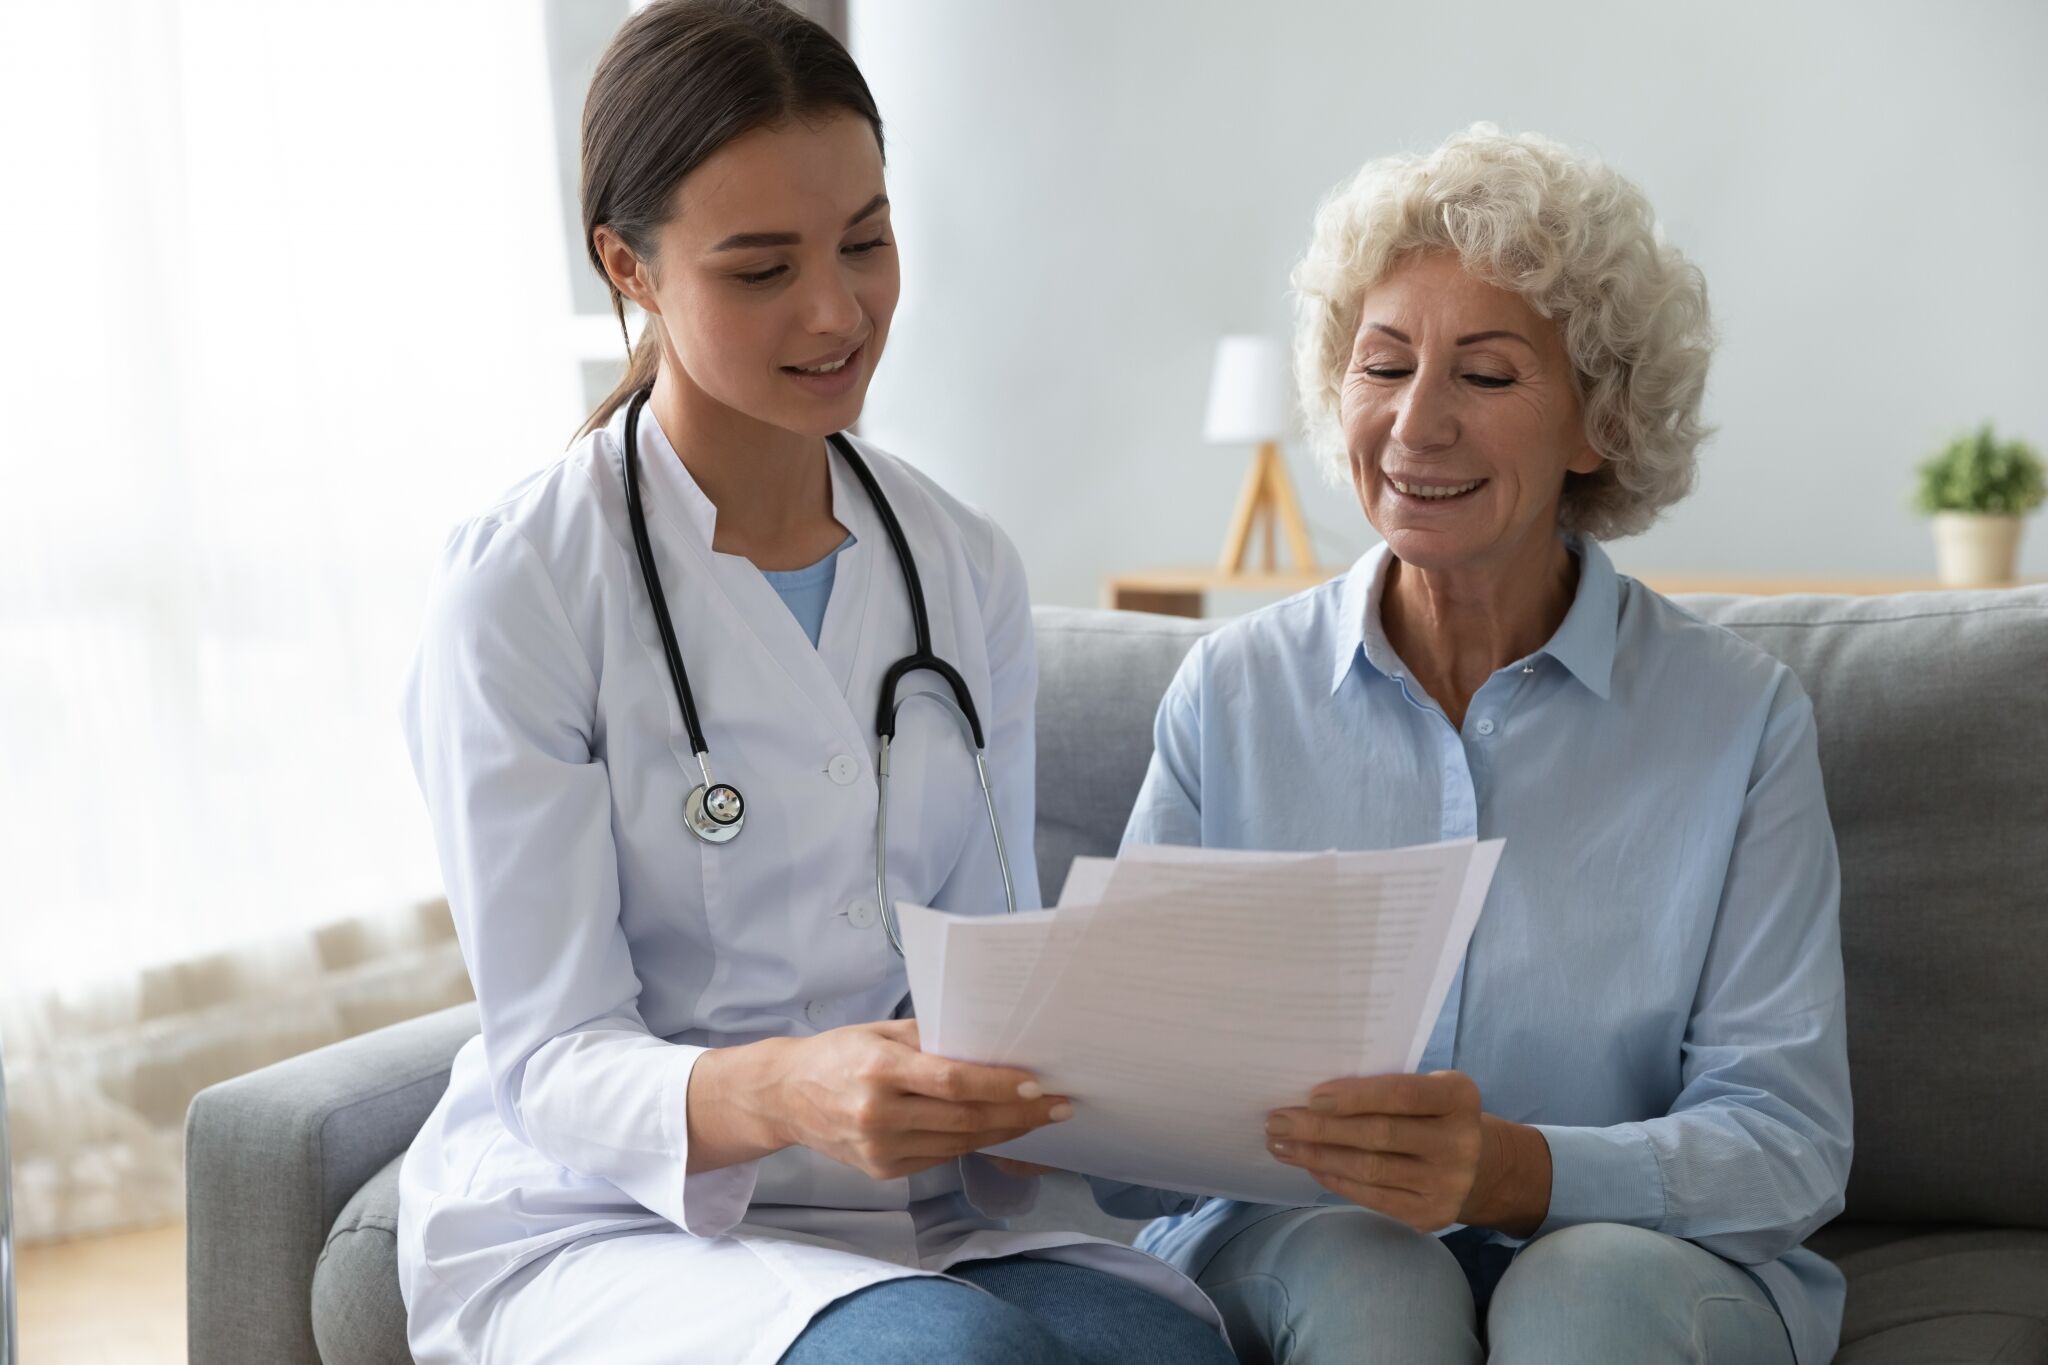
(1933, 712)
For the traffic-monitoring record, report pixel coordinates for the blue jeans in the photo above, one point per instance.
(1319, 1286)
(1034, 1313)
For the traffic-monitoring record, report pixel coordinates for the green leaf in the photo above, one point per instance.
(1979, 473)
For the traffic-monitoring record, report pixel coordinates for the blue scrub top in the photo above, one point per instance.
(808, 590)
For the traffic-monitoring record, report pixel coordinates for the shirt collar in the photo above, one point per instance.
(1358, 618)
(1583, 643)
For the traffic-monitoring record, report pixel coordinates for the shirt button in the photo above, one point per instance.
(1485, 727)
(861, 914)
(842, 769)
(815, 1012)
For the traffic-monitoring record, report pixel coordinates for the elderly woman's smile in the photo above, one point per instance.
(1432, 492)
(1461, 417)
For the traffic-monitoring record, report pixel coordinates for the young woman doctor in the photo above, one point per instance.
(692, 1128)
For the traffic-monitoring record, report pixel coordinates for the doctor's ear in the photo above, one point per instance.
(629, 273)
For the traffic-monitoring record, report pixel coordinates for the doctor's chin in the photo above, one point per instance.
(821, 682)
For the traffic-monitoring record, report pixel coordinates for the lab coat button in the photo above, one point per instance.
(815, 1012)
(1485, 727)
(842, 769)
(861, 914)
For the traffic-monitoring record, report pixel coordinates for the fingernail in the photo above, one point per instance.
(1030, 1090)
(1062, 1110)
(1278, 1126)
(1323, 1104)
(1281, 1148)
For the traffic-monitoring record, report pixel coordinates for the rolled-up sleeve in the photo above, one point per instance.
(1753, 1155)
(499, 717)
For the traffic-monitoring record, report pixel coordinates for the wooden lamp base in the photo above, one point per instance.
(1267, 498)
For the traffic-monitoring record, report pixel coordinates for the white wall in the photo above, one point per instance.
(1089, 193)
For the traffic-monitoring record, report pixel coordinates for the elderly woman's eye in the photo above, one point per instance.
(1386, 371)
(1490, 381)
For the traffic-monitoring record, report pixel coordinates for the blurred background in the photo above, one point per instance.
(289, 287)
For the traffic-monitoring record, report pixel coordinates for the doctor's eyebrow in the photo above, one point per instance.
(740, 241)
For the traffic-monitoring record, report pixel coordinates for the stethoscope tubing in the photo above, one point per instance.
(922, 659)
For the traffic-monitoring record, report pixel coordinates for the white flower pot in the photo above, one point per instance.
(1976, 549)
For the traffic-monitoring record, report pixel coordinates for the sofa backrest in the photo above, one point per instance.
(1933, 715)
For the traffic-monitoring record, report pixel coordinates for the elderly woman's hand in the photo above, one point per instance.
(1418, 1149)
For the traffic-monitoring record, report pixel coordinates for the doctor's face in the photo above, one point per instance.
(776, 275)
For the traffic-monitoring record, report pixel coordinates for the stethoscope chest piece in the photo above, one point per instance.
(715, 812)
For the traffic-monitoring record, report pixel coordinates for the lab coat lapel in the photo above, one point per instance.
(755, 612)
(844, 639)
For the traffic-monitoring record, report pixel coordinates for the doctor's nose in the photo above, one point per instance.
(830, 308)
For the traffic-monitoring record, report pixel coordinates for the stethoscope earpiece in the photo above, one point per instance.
(715, 811)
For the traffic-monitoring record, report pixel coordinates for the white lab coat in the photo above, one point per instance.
(610, 948)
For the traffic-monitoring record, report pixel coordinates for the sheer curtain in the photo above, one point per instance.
(285, 295)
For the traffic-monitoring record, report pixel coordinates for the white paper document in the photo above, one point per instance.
(1193, 991)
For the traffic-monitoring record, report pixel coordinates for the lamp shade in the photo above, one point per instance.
(1248, 399)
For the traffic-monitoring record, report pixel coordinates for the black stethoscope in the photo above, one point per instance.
(715, 811)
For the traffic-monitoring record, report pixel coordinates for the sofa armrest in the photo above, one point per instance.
(271, 1158)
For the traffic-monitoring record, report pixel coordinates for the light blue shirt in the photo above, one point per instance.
(1656, 979)
(807, 591)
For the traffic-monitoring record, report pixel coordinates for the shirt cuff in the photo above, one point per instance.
(708, 1203)
(994, 1192)
(1602, 1175)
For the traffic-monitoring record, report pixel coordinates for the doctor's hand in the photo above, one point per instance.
(1419, 1149)
(865, 1096)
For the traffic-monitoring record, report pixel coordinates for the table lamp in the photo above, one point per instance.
(1248, 402)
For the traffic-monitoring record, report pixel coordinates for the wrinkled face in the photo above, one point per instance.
(1461, 416)
(776, 276)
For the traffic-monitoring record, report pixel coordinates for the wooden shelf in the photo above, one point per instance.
(1179, 592)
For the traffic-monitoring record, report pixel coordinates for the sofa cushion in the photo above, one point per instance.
(358, 1315)
(1952, 1294)
(1101, 675)
(1933, 716)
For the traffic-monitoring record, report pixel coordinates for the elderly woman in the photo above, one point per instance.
(1635, 1104)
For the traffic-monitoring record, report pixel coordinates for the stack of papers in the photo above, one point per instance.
(1180, 995)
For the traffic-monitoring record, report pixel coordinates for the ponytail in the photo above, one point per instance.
(642, 364)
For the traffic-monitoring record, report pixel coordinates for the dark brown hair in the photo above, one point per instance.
(680, 80)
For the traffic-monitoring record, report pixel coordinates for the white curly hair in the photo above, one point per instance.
(1582, 246)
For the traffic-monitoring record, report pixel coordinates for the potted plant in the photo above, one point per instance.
(1977, 489)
